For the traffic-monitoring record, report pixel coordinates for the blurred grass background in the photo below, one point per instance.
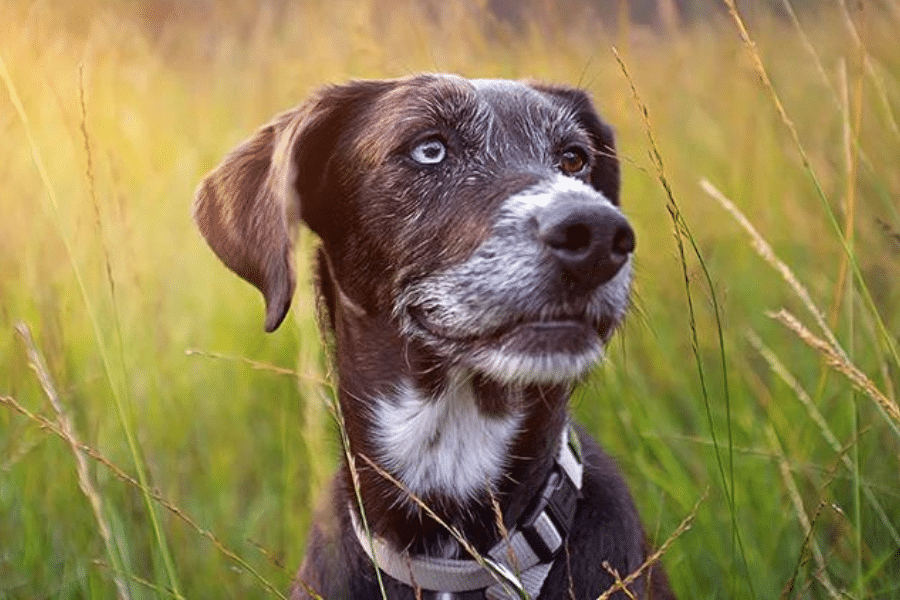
(110, 114)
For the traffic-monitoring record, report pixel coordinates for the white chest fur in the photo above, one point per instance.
(444, 445)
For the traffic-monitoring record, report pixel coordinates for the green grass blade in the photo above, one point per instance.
(98, 336)
(681, 230)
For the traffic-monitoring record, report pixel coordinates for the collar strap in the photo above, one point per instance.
(531, 546)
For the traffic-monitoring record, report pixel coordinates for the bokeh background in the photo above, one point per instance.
(155, 443)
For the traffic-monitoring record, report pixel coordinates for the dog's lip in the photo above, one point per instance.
(557, 325)
(551, 326)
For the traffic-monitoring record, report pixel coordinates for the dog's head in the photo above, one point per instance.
(480, 219)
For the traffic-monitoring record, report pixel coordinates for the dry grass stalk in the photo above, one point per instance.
(788, 589)
(569, 571)
(767, 83)
(807, 45)
(313, 593)
(618, 579)
(254, 364)
(92, 188)
(888, 108)
(849, 136)
(796, 499)
(67, 431)
(787, 377)
(779, 369)
(354, 478)
(95, 324)
(685, 524)
(886, 338)
(831, 349)
(504, 533)
(765, 251)
(839, 362)
(134, 578)
(868, 65)
(121, 475)
(270, 555)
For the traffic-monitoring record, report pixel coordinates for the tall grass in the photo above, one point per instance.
(183, 451)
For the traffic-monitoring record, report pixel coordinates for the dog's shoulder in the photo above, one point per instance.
(606, 500)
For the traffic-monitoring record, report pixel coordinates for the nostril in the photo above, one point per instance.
(573, 238)
(623, 241)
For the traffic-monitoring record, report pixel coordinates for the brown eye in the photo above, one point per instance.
(572, 161)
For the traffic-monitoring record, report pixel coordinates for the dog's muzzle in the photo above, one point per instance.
(538, 299)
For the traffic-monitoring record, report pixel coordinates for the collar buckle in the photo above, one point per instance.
(548, 521)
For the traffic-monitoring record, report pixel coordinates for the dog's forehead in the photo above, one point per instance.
(526, 113)
(508, 93)
(467, 98)
(518, 101)
(496, 93)
(502, 113)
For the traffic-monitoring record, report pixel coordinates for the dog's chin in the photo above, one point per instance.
(532, 352)
(544, 352)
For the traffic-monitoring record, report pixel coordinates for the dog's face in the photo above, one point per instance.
(478, 218)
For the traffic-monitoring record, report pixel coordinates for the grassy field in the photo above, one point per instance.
(155, 443)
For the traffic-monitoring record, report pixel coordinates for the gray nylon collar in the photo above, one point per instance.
(518, 565)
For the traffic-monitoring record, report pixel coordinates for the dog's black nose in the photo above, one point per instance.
(590, 242)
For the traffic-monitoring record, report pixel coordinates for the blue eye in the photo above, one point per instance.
(430, 152)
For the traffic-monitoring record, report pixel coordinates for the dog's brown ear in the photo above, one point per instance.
(247, 209)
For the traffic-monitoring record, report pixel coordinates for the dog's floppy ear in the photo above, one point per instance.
(605, 172)
(249, 206)
(246, 209)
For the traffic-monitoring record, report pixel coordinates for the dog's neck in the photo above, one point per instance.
(465, 446)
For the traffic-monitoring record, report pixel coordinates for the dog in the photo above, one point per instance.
(473, 264)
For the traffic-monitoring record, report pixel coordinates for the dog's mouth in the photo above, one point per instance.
(553, 349)
(562, 345)
(561, 325)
